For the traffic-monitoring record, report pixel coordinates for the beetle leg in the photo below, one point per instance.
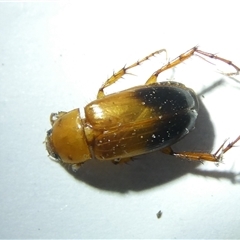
(71, 167)
(116, 76)
(76, 166)
(55, 116)
(185, 56)
(199, 156)
(214, 56)
(122, 160)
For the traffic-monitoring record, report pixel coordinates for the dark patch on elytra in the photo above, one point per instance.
(177, 109)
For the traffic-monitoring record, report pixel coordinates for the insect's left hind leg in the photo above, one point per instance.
(116, 76)
(171, 64)
(202, 156)
(214, 56)
(185, 56)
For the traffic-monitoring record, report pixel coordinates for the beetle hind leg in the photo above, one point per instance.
(171, 64)
(116, 76)
(181, 58)
(203, 156)
(122, 160)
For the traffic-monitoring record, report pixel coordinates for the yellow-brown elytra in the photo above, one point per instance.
(135, 121)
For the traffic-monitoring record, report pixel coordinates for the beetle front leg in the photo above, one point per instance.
(55, 116)
(116, 76)
(199, 156)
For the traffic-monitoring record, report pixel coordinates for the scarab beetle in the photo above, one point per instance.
(135, 121)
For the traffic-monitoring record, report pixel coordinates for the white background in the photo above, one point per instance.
(54, 56)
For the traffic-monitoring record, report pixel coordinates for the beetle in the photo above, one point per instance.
(131, 122)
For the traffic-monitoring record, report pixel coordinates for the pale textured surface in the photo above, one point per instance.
(54, 56)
